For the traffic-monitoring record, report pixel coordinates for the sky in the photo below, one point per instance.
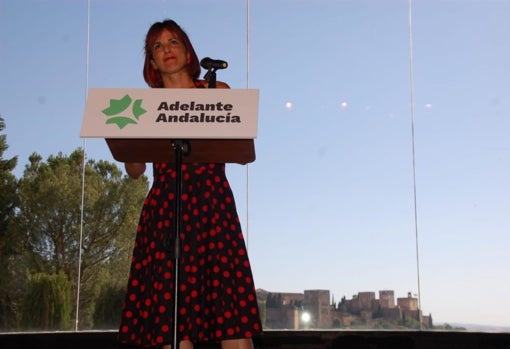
(382, 153)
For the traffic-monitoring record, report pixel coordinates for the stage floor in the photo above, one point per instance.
(291, 339)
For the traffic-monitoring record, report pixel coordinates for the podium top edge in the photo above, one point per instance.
(164, 88)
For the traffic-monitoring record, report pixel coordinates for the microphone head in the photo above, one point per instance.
(204, 62)
(209, 63)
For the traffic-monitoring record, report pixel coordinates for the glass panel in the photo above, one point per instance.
(462, 148)
(366, 155)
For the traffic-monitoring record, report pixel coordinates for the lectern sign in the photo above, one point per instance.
(171, 113)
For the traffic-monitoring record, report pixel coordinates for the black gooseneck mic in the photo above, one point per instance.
(209, 63)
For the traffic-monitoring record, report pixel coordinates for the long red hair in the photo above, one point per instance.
(153, 76)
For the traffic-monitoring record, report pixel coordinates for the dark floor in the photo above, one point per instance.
(283, 340)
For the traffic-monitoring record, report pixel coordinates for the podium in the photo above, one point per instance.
(139, 124)
(176, 126)
(240, 151)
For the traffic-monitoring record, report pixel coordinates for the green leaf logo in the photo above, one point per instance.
(118, 111)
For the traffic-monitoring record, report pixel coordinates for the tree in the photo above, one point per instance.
(54, 227)
(9, 246)
(48, 297)
(7, 184)
(109, 306)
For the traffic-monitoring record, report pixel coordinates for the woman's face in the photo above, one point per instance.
(169, 55)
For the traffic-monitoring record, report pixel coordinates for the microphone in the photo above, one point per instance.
(209, 63)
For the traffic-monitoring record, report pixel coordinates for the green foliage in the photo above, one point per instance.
(448, 327)
(274, 300)
(263, 311)
(409, 322)
(7, 184)
(47, 304)
(108, 307)
(10, 245)
(74, 218)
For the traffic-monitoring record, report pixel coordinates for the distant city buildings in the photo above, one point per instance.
(316, 309)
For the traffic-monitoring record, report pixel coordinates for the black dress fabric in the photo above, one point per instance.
(217, 298)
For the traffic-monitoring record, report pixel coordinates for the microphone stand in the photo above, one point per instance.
(181, 147)
(210, 77)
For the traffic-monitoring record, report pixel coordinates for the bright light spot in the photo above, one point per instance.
(305, 317)
(343, 105)
(428, 106)
(288, 105)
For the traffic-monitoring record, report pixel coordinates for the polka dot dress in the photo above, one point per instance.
(217, 298)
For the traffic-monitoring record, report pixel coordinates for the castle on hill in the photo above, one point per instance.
(314, 309)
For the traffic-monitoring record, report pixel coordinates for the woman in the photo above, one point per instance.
(217, 299)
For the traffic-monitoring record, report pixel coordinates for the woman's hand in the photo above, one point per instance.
(135, 169)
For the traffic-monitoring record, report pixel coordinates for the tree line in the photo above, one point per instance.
(67, 229)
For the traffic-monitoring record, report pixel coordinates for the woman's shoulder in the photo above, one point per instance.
(221, 84)
(205, 84)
